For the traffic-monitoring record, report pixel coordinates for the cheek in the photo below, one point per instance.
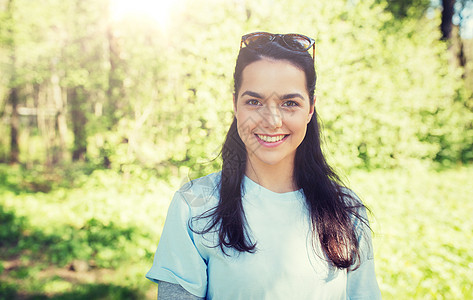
(302, 131)
(245, 124)
(297, 125)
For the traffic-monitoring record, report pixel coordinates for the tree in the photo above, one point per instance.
(13, 97)
(127, 93)
(83, 63)
(417, 9)
(447, 15)
(407, 8)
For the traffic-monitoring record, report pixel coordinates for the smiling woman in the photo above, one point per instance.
(158, 10)
(275, 222)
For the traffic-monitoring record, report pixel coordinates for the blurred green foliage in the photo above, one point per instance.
(12, 228)
(162, 98)
(422, 231)
(104, 221)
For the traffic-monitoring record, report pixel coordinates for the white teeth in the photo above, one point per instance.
(271, 139)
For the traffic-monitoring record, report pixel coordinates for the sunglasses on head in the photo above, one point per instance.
(291, 41)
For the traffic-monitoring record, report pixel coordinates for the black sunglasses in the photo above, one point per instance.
(292, 41)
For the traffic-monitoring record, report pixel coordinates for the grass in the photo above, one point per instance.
(423, 231)
(85, 234)
(92, 237)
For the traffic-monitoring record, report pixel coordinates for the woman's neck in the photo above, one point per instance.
(277, 178)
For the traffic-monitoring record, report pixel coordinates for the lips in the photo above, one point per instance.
(271, 138)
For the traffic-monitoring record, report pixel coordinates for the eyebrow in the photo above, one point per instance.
(291, 96)
(283, 97)
(252, 94)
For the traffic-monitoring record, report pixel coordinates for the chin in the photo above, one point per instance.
(270, 161)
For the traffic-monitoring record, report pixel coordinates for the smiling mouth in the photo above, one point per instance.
(271, 139)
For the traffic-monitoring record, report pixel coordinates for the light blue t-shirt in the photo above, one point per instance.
(284, 266)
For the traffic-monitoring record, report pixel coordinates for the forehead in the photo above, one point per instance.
(267, 76)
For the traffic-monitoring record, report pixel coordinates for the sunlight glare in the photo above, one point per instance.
(158, 10)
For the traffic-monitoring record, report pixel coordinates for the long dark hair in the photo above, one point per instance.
(331, 206)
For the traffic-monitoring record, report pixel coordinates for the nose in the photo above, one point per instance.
(273, 117)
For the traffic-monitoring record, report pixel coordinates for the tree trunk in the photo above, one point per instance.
(461, 53)
(60, 122)
(447, 15)
(14, 126)
(41, 118)
(13, 98)
(115, 91)
(76, 98)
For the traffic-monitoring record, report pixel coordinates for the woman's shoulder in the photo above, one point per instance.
(202, 191)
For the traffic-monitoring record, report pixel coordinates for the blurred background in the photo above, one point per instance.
(107, 106)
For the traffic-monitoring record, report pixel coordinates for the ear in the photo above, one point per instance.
(311, 111)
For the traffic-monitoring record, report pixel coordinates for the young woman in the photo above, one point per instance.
(275, 222)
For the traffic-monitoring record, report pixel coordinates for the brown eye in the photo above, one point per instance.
(253, 102)
(290, 103)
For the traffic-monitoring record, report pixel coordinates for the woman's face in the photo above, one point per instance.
(272, 109)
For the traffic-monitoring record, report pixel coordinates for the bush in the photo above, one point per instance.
(11, 228)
